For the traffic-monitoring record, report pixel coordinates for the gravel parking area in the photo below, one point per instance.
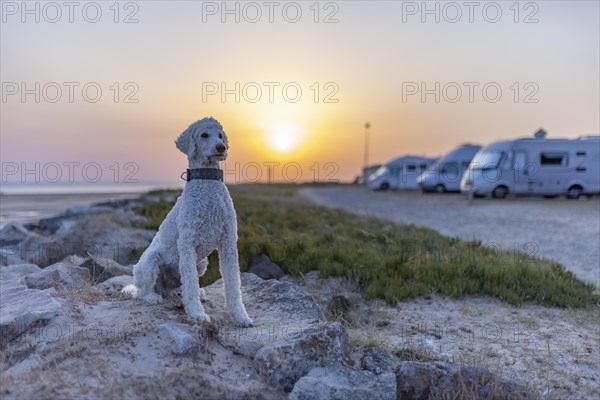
(563, 230)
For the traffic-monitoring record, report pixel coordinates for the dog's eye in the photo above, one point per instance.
(220, 136)
(204, 135)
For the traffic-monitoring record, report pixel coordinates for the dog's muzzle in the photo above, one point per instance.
(210, 174)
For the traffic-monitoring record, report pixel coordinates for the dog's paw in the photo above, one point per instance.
(244, 321)
(198, 316)
(130, 290)
(202, 294)
(152, 298)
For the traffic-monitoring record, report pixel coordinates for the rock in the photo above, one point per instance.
(179, 341)
(96, 235)
(377, 360)
(113, 286)
(13, 233)
(285, 361)
(21, 308)
(262, 266)
(74, 260)
(9, 257)
(279, 310)
(59, 276)
(102, 269)
(339, 382)
(17, 271)
(440, 380)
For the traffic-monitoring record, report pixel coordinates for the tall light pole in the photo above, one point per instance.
(367, 127)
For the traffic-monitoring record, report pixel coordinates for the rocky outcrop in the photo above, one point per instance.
(59, 276)
(440, 380)
(13, 233)
(102, 235)
(283, 362)
(17, 271)
(22, 308)
(281, 310)
(339, 382)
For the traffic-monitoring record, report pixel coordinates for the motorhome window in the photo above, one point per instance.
(489, 159)
(580, 153)
(411, 168)
(553, 159)
(423, 167)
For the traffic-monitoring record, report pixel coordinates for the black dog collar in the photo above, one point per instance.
(211, 174)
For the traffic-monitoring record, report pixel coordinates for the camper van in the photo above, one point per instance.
(399, 173)
(445, 174)
(536, 166)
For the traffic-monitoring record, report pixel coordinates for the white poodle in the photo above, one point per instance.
(203, 219)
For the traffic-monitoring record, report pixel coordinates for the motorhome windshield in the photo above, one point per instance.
(488, 159)
(381, 171)
(434, 167)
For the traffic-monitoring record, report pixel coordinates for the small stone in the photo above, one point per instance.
(262, 266)
(179, 341)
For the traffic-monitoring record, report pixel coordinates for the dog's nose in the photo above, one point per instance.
(220, 148)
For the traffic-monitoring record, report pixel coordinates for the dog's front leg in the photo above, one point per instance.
(189, 278)
(230, 271)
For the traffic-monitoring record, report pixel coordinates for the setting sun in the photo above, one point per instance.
(283, 138)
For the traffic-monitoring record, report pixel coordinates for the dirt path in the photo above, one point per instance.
(561, 230)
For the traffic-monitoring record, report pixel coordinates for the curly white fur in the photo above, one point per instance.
(202, 220)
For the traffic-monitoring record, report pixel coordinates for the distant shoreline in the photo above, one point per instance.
(31, 207)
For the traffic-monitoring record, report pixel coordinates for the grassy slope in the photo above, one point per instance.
(389, 261)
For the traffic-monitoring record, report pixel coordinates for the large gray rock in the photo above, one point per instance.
(59, 276)
(17, 271)
(113, 286)
(337, 382)
(102, 269)
(262, 266)
(279, 310)
(22, 308)
(13, 233)
(285, 361)
(440, 380)
(99, 235)
(178, 339)
(10, 257)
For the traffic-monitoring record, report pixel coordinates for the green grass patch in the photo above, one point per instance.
(389, 261)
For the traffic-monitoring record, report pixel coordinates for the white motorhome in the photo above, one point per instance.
(399, 173)
(445, 174)
(536, 166)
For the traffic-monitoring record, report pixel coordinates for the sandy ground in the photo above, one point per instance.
(556, 352)
(563, 230)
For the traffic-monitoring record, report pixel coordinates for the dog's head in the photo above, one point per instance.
(203, 142)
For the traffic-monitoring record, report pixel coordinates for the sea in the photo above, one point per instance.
(26, 203)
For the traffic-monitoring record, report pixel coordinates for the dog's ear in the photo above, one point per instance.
(186, 143)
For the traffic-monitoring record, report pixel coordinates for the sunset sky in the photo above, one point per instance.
(370, 61)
